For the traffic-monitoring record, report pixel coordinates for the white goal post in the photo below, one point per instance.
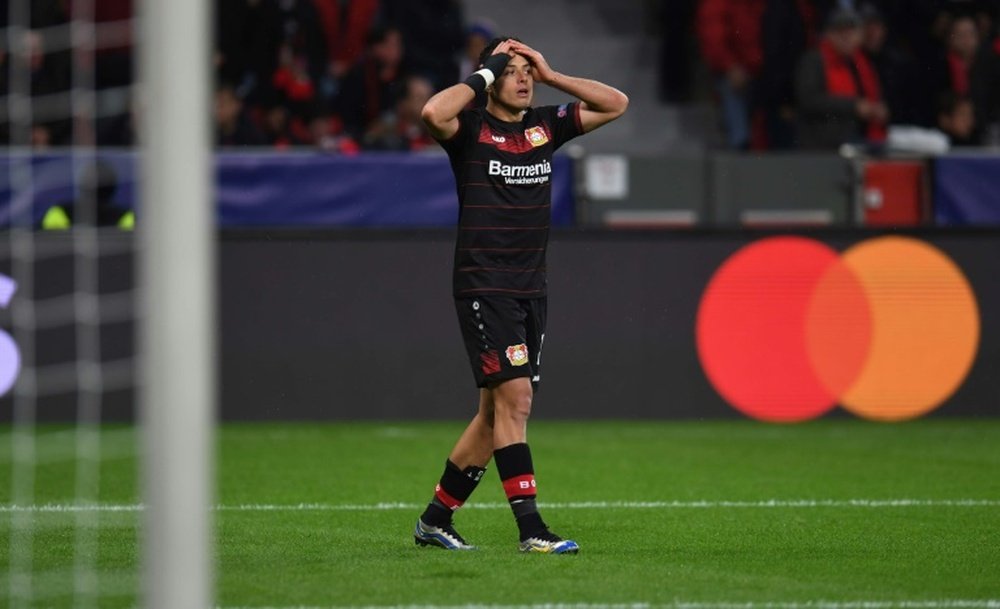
(176, 227)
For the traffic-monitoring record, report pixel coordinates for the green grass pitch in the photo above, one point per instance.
(737, 514)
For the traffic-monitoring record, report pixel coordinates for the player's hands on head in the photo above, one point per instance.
(504, 47)
(542, 72)
(498, 60)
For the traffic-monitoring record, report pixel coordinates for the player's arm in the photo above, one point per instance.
(440, 113)
(601, 103)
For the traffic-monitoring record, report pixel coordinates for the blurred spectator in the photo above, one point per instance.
(403, 130)
(433, 34)
(246, 46)
(301, 56)
(275, 126)
(280, 128)
(788, 28)
(896, 70)
(969, 68)
(372, 87)
(50, 76)
(119, 130)
(346, 26)
(837, 89)
(95, 202)
(48, 73)
(232, 127)
(729, 33)
(957, 119)
(296, 66)
(922, 26)
(114, 52)
(676, 50)
(112, 64)
(327, 134)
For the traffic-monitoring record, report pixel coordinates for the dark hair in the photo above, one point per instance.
(488, 50)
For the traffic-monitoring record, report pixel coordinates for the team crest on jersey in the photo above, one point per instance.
(536, 135)
(517, 355)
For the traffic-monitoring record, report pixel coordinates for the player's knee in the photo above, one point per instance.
(516, 404)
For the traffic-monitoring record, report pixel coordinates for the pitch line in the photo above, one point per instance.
(571, 505)
(820, 604)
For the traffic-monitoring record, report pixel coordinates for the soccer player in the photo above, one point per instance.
(502, 159)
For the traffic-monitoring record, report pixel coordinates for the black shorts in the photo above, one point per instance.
(503, 337)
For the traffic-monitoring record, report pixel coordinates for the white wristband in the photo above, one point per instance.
(487, 75)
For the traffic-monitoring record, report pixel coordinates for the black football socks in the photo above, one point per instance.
(518, 476)
(451, 492)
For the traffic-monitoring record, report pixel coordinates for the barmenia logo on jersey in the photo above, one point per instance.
(517, 354)
(521, 174)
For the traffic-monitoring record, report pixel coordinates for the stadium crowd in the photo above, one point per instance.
(819, 73)
(350, 75)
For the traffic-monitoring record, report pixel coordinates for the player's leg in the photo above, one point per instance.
(475, 446)
(462, 472)
(511, 408)
(468, 458)
(512, 402)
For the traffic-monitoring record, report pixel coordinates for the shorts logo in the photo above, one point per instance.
(517, 355)
(536, 136)
(562, 111)
(499, 139)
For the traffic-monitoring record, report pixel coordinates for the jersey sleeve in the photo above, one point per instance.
(467, 129)
(564, 121)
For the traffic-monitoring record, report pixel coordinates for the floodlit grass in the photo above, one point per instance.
(666, 513)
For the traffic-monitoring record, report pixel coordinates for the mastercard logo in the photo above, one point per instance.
(789, 328)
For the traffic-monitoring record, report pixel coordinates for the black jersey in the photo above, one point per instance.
(503, 174)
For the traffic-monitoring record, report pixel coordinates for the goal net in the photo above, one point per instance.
(106, 319)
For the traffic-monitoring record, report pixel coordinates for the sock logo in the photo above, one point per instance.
(520, 486)
(474, 473)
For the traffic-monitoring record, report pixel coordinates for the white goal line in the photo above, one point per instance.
(571, 505)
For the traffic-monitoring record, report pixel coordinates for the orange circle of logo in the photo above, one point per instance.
(787, 328)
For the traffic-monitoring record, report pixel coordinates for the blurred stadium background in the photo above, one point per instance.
(718, 253)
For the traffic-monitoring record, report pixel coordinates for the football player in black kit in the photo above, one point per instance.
(502, 159)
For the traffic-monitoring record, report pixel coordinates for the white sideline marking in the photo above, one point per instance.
(572, 505)
(820, 604)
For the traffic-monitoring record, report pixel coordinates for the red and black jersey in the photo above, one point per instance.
(503, 174)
